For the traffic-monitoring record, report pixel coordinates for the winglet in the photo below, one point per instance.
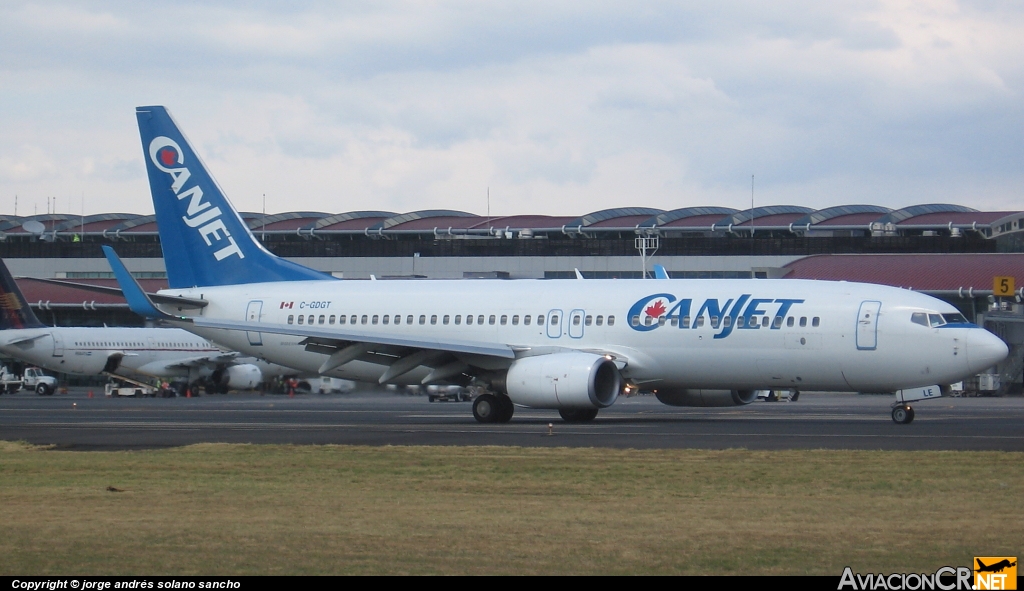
(137, 299)
(660, 272)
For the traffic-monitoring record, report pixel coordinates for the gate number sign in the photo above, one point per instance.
(1002, 286)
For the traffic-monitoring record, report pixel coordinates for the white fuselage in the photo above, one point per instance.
(668, 332)
(156, 352)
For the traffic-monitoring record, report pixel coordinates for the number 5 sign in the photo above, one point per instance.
(1002, 286)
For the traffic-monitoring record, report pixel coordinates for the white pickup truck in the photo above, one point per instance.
(33, 379)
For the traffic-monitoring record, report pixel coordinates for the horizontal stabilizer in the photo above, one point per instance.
(189, 303)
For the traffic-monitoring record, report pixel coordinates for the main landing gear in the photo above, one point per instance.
(493, 408)
(902, 414)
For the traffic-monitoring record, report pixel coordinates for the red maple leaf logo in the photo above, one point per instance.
(656, 309)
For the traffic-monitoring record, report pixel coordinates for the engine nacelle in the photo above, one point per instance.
(563, 380)
(697, 397)
(239, 377)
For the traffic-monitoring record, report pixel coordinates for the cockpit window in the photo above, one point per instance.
(919, 318)
(935, 320)
(955, 318)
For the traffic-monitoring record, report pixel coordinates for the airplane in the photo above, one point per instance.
(167, 353)
(566, 345)
(996, 567)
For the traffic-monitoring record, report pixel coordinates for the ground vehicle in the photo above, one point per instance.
(448, 394)
(32, 379)
(128, 387)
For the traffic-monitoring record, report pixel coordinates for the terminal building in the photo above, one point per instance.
(973, 259)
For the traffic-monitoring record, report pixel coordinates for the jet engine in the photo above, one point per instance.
(697, 397)
(238, 377)
(563, 380)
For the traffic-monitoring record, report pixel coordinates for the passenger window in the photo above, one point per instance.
(408, 319)
(490, 320)
(526, 320)
(458, 319)
(739, 321)
(588, 320)
(364, 318)
(661, 321)
(291, 319)
(789, 321)
(647, 320)
(301, 319)
(803, 321)
(699, 321)
(504, 319)
(675, 321)
(778, 322)
(576, 320)
(611, 321)
(816, 321)
(469, 319)
(764, 321)
(310, 319)
(433, 318)
(331, 319)
(686, 322)
(480, 319)
(540, 320)
(714, 322)
(375, 319)
(600, 320)
(423, 319)
(445, 319)
(635, 320)
(321, 319)
(515, 320)
(342, 319)
(398, 318)
(352, 320)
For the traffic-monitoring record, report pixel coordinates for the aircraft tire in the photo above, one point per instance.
(507, 409)
(902, 415)
(487, 408)
(577, 415)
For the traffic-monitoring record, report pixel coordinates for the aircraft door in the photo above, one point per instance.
(554, 321)
(576, 323)
(867, 325)
(252, 314)
(58, 343)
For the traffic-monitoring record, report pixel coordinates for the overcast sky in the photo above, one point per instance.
(558, 108)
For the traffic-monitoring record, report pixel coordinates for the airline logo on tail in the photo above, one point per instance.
(167, 156)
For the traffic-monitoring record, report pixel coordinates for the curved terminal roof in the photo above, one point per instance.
(769, 215)
(682, 217)
(842, 215)
(776, 217)
(900, 215)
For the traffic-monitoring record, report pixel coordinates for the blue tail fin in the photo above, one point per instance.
(14, 310)
(204, 240)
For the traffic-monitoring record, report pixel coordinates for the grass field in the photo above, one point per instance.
(247, 509)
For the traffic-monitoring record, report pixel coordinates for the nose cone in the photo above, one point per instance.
(984, 350)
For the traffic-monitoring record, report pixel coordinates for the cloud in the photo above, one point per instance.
(557, 107)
